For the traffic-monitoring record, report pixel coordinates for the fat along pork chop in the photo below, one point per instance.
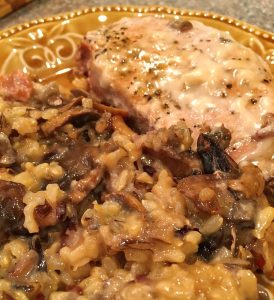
(166, 71)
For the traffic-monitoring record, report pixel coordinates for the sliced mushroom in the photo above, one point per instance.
(209, 193)
(127, 200)
(96, 105)
(4, 125)
(74, 109)
(51, 125)
(269, 190)
(113, 110)
(181, 165)
(85, 185)
(7, 154)
(222, 136)
(210, 243)
(74, 168)
(11, 207)
(213, 156)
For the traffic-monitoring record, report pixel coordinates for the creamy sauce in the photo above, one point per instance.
(200, 75)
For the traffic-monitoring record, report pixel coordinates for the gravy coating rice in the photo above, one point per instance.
(90, 209)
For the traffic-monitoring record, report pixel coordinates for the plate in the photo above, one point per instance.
(46, 47)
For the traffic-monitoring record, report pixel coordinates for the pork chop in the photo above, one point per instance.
(165, 71)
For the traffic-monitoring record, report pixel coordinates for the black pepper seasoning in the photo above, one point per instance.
(158, 92)
(225, 41)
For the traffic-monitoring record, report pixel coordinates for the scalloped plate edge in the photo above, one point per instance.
(259, 32)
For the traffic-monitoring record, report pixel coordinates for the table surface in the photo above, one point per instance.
(257, 12)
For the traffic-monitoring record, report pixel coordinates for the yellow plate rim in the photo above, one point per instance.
(259, 32)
